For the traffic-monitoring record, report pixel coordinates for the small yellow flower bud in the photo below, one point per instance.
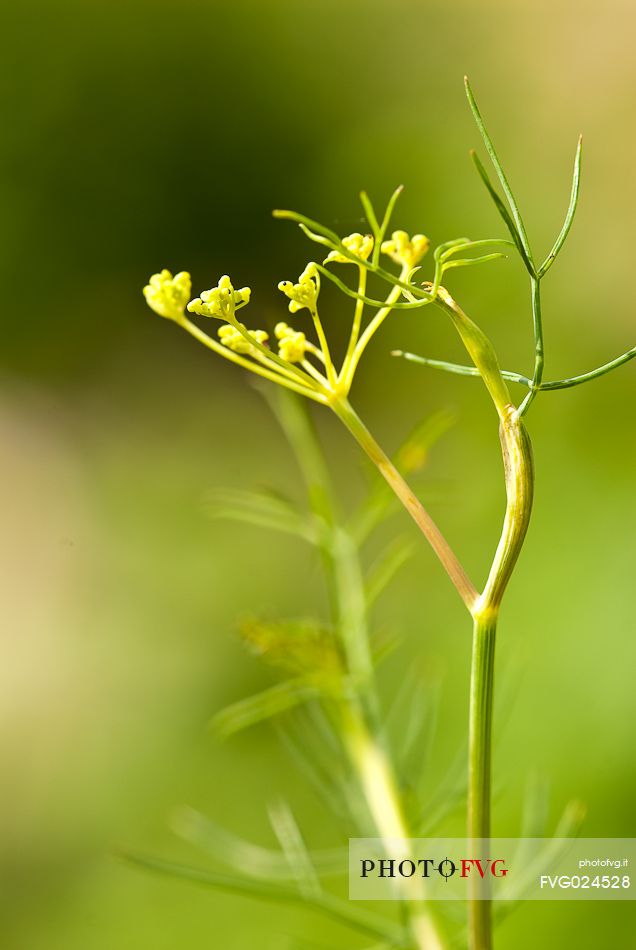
(168, 295)
(359, 244)
(292, 344)
(220, 301)
(282, 329)
(234, 339)
(305, 292)
(404, 250)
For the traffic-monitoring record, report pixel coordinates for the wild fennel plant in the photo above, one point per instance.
(333, 664)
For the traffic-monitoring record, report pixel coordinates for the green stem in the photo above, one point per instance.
(479, 766)
(537, 375)
(358, 710)
(371, 328)
(324, 346)
(357, 321)
(377, 779)
(518, 469)
(411, 502)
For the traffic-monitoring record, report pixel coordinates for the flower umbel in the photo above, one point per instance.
(359, 244)
(235, 340)
(292, 344)
(305, 292)
(221, 301)
(298, 362)
(168, 295)
(404, 250)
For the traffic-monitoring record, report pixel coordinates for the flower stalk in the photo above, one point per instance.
(464, 586)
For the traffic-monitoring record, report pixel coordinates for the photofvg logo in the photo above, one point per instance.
(499, 869)
(437, 869)
(426, 867)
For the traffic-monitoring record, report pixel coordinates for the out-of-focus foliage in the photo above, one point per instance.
(143, 135)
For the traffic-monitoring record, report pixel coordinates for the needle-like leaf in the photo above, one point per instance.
(466, 244)
(467, 261)
(459, 369)
(501, 208)
(286, 829)
(385, 223)
(413, 305)
(260, 707)
(370, 213)
(593, 374)
(262, 509)
(246, 857)
(342, 911)
(567, 224)
(550, 854)
(514, 208)
(386, 566)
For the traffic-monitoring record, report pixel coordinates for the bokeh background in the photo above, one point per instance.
(143, 135)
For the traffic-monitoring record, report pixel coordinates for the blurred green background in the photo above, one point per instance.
(143, 135)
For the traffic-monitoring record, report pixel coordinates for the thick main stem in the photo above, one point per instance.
(518, 468)
(479, 769)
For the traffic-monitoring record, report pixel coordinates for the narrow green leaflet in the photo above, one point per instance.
(503, 211)
(370, 214)
(370, 301)
(386, 566)
(553, 850)
(514, 208)
(261, 707)
(262, 509)
(329, 784)
(342, 911)
(385, 224)
(412, 723)
(245, 856)
(300, 863)
(593, 374)
(567, 224)
(460, 369)
(469, 261)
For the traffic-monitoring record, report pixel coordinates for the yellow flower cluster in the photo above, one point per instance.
(234, 339)
(404, 250)
(359, 244)
(221, 301)
(168, 295)
(292, 344)
(305, 292)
